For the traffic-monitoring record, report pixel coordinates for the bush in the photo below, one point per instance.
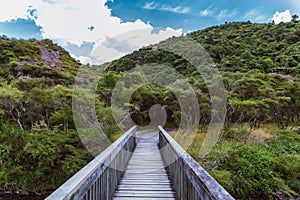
(224, 178)
(257, 171)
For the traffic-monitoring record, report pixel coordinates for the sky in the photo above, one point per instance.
(98, 31)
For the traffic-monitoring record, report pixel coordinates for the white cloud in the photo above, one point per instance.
(225, 14)
(285, 16)
(261, 18)
(150, 6)
(206, 12)
(9, 10)
(254, 16)
(115, 47)
(51, 1)
(67, 22)
(176, 9)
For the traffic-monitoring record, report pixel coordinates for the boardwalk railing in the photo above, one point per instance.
(99, 179)
(190, 180)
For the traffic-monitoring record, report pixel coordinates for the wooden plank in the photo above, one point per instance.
(145, 174)
(139, 171)
(133, 178)
(143, 194)
(153, 167)
(145, 188)
(143, 198)
(145, 182)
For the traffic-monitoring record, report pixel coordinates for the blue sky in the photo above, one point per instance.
(96, 31)
(21, 28)
(191, 15)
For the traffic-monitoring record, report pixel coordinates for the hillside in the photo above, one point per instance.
(256, 157)
(259, 64)
(234, 47)
(39, 147)
(34, 59)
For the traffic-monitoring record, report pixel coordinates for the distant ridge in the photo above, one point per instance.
(239, 46)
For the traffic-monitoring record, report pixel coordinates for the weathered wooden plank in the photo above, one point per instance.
(137, 179)
(141, 171)
(146, 193)
(145, 174)
(143, 198)
(145, 182)
(145, 188)
(143, 194)
(145, 178)
(145, 167)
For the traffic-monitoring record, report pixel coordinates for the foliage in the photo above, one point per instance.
(241, 46)
(40, 159)
(256, 170)
(39, 148)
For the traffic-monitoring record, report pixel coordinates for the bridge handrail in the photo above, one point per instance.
(97, 180)
(190, 180)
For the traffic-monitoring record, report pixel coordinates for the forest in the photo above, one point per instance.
(257, 156)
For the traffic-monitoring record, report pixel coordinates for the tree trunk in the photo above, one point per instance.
(17, 119)
(20, 125)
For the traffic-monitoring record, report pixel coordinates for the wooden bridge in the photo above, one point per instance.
(147, 165)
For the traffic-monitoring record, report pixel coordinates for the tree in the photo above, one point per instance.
(14, 103)
(63, 103)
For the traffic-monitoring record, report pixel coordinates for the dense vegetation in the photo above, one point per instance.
(234, 47)
(259, 64)
(39, 147)
(262, 165)
(257, 156)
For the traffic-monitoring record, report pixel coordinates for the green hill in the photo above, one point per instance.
(21, 59)
(234, 47)
(259, 64)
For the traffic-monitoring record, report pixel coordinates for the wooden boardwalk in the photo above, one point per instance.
(145, 176)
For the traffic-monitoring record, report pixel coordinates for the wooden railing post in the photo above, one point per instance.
(190, 180)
